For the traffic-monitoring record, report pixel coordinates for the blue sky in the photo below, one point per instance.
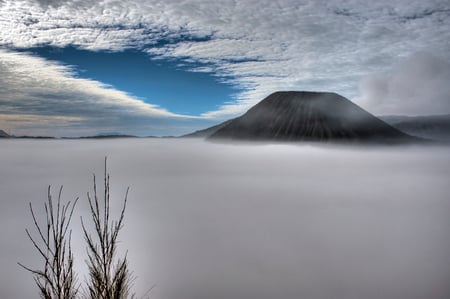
(165, 82)
(169, 67)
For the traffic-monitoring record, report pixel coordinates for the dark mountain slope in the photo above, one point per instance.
(309, 116)
(3, 134)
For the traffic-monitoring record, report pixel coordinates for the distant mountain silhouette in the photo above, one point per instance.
(435, 127)
(309, 116)
(107, 136)
(3, 134)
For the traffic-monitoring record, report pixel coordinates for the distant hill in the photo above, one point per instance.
(107, 136)
(3, 134)
(33, 137)
(309, 116)
(436, 127)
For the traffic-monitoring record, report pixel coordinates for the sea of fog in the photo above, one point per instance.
(217, 221)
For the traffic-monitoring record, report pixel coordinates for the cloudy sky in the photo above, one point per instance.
(166, 67)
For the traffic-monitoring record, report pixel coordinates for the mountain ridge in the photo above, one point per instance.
(309, 116)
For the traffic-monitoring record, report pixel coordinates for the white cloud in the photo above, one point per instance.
(260, 45)
(419, 85)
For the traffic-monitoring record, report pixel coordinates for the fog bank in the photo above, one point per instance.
(220, 221)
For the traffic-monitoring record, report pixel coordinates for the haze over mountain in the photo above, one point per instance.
(312, 116)
(436, 127)
(309, 116)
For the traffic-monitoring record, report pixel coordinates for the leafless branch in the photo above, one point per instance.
(109, 278)
(57, 280)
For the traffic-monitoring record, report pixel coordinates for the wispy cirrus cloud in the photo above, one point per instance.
(261, 46)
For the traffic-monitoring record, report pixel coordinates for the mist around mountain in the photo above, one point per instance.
(297, 116)
(434, 127)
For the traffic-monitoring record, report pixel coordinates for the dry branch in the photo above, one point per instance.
(57, 280)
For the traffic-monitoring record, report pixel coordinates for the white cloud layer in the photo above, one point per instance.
(263, 46)
(218, 221)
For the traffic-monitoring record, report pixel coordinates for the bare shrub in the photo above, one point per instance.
(57, 280)
(109, 278)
